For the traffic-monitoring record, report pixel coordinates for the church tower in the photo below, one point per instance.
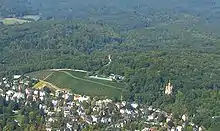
(169, 89)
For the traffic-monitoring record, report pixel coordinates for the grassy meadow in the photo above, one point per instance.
(79, 83)
(40, 74)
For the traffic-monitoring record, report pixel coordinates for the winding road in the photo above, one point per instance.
(110, 60)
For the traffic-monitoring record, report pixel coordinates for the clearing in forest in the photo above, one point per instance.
(79, 82)
(11, 21)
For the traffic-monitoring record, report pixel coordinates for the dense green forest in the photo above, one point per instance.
(146, 67)
(130, 14)
(150, 43)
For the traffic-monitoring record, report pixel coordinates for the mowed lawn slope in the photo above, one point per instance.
(79, 83)
(84, 76)
(40, 74)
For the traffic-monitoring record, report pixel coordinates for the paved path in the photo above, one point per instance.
(110, 60)
(52, 86)
(100, 78)
(65, 69)
(48, 76)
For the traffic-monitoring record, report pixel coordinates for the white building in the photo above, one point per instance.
(200, 129)
(184, 117)
(134, 105)
(69, 126)
(179, 128)
(94, 119)
(150, 118)
(17, 76)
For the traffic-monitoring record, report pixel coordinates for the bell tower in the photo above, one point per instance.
(169, 88)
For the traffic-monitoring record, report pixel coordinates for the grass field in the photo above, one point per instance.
(11, 21)
(40, 74)
(84, 76)
(79, 83)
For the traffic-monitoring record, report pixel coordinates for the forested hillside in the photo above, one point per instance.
(150, 44)
(130, 14)
(49, 44)
(147, 66)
